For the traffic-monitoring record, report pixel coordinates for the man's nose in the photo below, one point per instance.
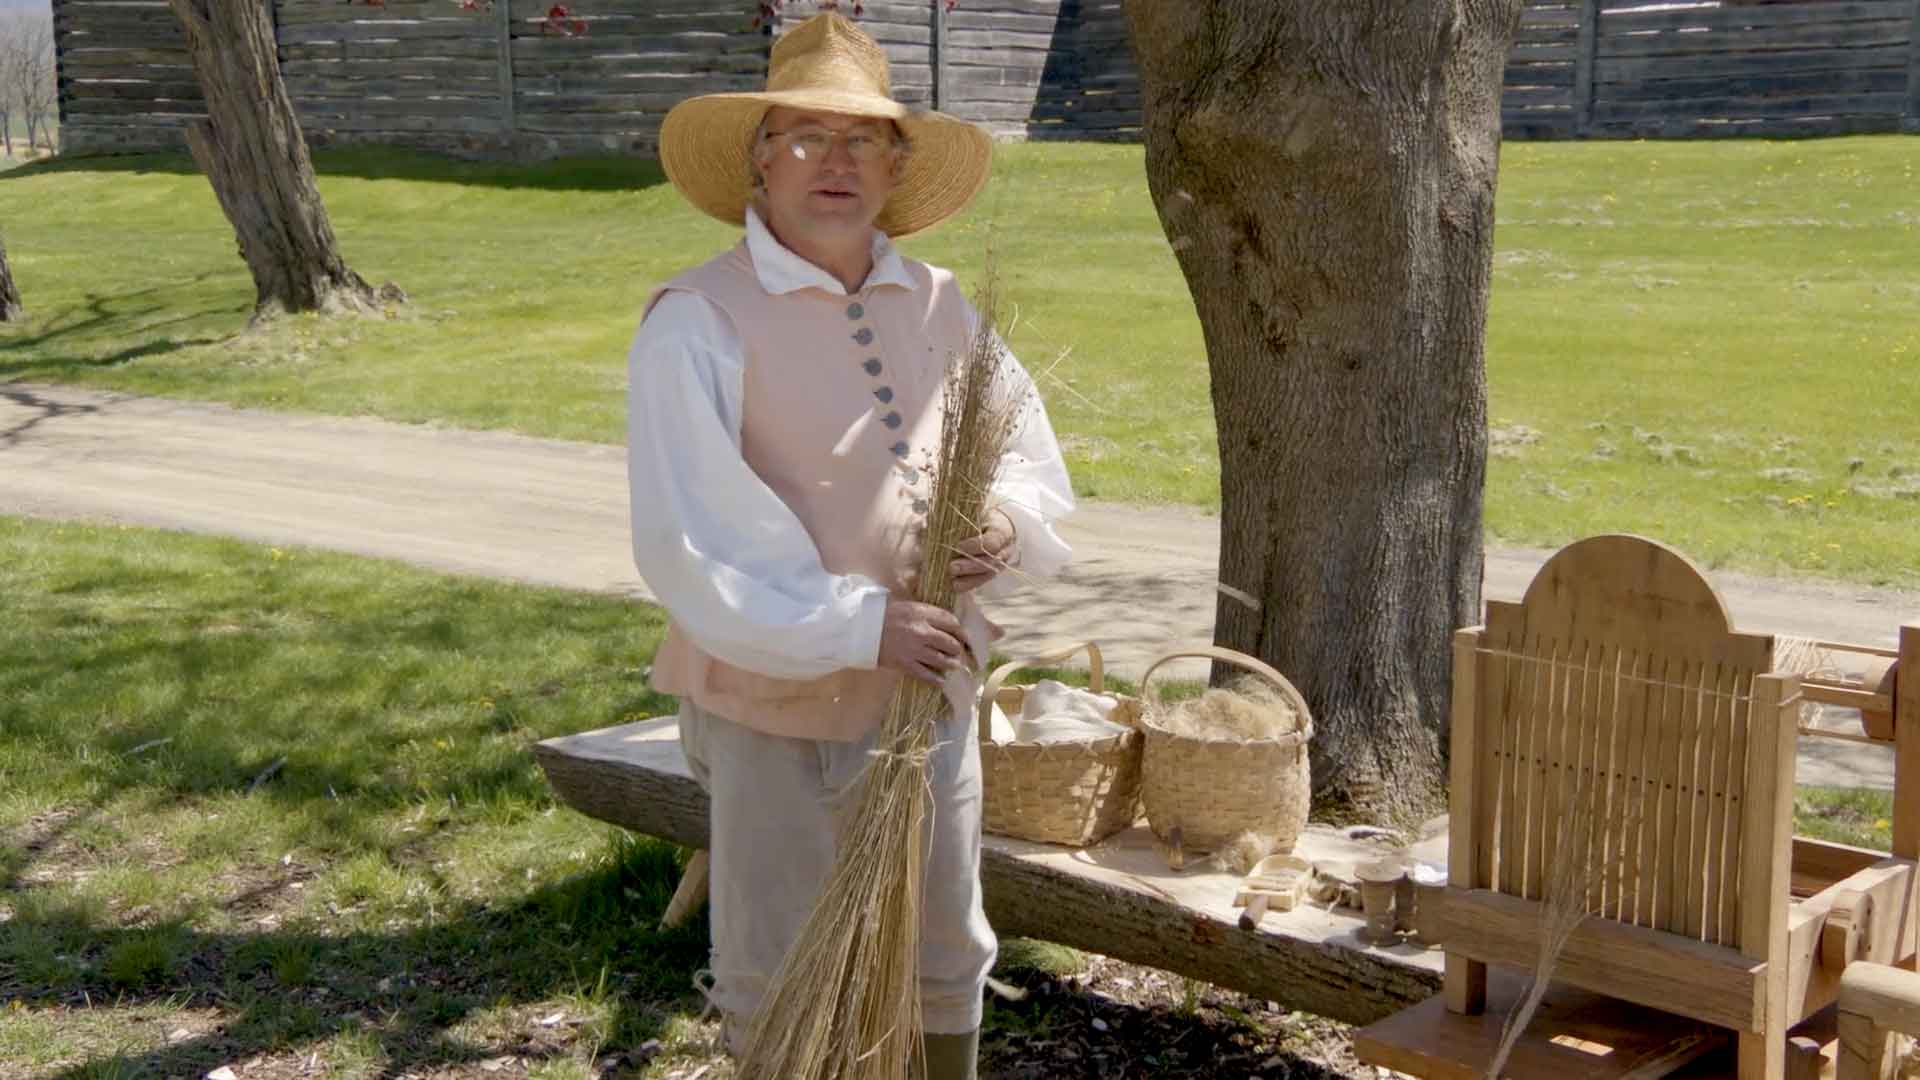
(840, 153)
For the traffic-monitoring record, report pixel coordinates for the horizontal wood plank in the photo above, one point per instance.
(1861, 80)
(424, 67)
(1751, 108)
(1788, 62)
(428, 34)
(1736, 17)
(1647, 967)
(1844, 35)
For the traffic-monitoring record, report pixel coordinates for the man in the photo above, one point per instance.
(783, 408)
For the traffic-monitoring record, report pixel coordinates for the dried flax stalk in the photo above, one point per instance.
(845, 1003)
(1563, 906)
(1573, 878)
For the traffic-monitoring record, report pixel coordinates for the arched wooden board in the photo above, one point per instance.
(1633, 593)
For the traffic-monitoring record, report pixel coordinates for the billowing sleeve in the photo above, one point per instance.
(1032, 487)
(726, 557)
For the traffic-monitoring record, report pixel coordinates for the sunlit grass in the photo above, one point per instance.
(1715, 343)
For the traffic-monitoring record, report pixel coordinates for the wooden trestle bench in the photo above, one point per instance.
(1116, 898)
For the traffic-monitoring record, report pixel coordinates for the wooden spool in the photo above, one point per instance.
(1849, 927)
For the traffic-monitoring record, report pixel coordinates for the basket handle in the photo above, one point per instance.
(1096, 678)
(1251, 663)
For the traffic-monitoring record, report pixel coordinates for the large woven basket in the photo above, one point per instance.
(1213, 790)
(1073, 793)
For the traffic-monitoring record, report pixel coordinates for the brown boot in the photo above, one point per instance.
(953, 1057)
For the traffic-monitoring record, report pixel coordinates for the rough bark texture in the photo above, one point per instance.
(1325, 173)
(11, 310)
(252, 150)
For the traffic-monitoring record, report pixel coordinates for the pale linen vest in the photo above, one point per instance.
(841, 418)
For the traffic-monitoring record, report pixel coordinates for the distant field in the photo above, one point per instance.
(1713, 343)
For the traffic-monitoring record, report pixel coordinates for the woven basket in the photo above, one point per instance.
(1073, 793)
(1213, 790)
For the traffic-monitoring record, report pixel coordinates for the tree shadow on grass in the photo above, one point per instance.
(386, 163)
(279, 990)
(98, 312)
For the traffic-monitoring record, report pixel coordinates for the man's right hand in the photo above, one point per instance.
(920, 640)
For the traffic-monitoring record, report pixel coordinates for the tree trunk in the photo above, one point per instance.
(1325, 173)
(251, 148)
(11, 310)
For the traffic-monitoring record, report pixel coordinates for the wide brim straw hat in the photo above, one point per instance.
(825, 64)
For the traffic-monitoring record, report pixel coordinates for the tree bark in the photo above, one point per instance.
(252, 150)
(1325, 174)
(11, 309)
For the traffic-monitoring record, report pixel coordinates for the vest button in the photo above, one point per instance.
(892, 420)
(854, 311)
(885, 394)
(864, 335)
(873, 367)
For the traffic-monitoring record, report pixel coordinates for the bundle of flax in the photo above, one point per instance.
(845, 1003)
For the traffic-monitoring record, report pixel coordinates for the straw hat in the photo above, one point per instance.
(825, 64)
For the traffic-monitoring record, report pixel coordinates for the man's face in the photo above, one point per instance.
(828, 175)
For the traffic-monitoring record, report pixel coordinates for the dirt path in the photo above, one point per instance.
(555, 513)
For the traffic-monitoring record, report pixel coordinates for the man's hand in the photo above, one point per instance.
(920, 640)
(978, 558)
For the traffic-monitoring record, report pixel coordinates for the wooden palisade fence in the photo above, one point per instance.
(513, 78)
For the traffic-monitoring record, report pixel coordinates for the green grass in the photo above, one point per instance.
(1716, 343)
(401, 894)
(1858, 816)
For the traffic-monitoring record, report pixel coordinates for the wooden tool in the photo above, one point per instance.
(1276, 884)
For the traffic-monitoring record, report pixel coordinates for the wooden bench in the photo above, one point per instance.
(1117, 898)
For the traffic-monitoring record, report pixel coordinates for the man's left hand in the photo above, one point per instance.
(979, 558)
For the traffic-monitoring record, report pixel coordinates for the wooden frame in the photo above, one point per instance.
(1618, 685)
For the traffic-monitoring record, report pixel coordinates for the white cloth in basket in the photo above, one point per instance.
(999, 727)
(1054, 713)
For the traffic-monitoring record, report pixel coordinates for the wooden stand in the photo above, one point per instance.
(1617, 694)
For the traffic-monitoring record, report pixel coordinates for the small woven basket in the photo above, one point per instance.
(1073, 793)
(1213, 790)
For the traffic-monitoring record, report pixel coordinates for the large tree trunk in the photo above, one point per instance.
(1325, 173)
(251, 148)
(11, 309)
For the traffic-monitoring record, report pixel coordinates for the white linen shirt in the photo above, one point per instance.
(724, 554)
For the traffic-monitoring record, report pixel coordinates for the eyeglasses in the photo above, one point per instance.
(815, 144)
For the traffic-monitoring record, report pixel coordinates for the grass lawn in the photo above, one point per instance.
(400, 894)
(1715, 343)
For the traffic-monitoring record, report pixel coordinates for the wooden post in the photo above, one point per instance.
(1584, 60)
(1911, 123)
(937, 54)
(1466, 980)
(1766, 839)
(59, 81)
(1907, 725)
(503, 29)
